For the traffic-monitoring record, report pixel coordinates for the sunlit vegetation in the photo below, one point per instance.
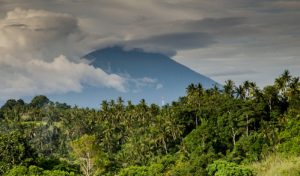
(234, 131)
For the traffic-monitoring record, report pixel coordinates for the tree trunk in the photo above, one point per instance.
(165, 145)
(233, 136)
(247, 128)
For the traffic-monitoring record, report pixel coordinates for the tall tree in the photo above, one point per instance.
(229, 88)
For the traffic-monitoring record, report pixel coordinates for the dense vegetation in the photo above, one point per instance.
(236, 131)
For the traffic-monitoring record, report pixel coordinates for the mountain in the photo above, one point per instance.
(151, 76)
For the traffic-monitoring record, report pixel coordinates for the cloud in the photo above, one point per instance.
(210, 24)
(232, 73)
(60, 76)
(41, 33)
(40, 54)
(136, 85)
(287, 4)
(170, 43)
(227, 33)
(159, 86)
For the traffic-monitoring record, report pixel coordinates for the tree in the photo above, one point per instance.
(240, 92)
(12, 109)
(87, 153)
(229, 88)
(194, 98)
(14, 150)
(271, 96)
(294, 88)
(282, 82)
(39, 101)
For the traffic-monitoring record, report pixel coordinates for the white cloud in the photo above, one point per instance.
(61, 75)
(137, 84)
(159, 86)
(35, 51)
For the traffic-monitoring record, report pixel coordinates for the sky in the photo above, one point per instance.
(42, 41)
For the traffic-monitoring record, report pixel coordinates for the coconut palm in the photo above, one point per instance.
(229, 87)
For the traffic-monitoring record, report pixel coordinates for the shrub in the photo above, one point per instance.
(224, 168)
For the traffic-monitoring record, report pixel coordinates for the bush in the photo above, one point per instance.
(134, 171)
(17, 170)
(35, 171)
(224, 168)
(248, 148)
(290, 138)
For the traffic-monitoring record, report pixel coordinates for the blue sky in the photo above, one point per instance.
(41, 41)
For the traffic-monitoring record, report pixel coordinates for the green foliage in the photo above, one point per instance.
(205, 132)
(290, 138)
(39, 101)
(224, 168)
(36, 171)
(17, 171)
(14, 150)
(56, 164)
(134, 171)
(248, 148)
(89, 156)
(57, 173)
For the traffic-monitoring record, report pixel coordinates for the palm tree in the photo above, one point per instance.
(253, 89)
(246, 86)
(240, 92)
(294, 88)
(229, 87)
(190, 89)
(282, 82)
(104, 105)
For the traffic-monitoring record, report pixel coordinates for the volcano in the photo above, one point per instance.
(151, 76)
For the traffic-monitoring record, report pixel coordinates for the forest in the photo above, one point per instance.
(236, 130)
